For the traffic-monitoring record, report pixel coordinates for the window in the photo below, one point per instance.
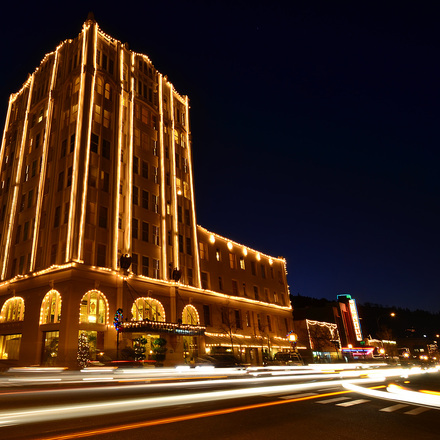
(72, 142)
(135, 195)
(22, 203)
(269, 323)
(93, 308)
(66, 212)
(10, 346)
(206, 314)
(248, 319)
(148, 309)
(155, 203)
(135, 228)
(180, 243)
(56, 221)
(179, 214)
(256, 293)
(60, 181)
(51, 308)
(98, 79)
(232, 261)
(156, 271)
(263, 271)
(238, 323)
(234, 287)
(134, 263)
(220, 284)
(135, 165)
(26, 231)
(218, 255)
(93, 172)
(187, 217)
(106, 149)
(253, 268)
(101, 251)
(69, 176)
(64, 148)
(204, 277)
(17, 234)
(145, 231)
(30, 198)
(106, 121)
(145, 266)
(34, 168)
(94, 143)
(188, 246)
(242, 263)
(145, 198)
(202, 251)
(190, 315)
(108, 90)
(156, 239)
(145, 169)
(12, 310)
(102, 221)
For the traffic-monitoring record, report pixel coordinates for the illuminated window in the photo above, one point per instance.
(108, 91)
(93, 308)
(148, 309)
(76, 85)
(156, 270)
(202, 251)
(242, 264)
(50, 312)
(97, 115)
(232, 261)
(156, 238)
(99, 85)
(190, 315)
(12, 310)
(10, 346)
(248, 319)
(106, 121)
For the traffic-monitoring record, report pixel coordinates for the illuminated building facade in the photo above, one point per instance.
(97, 214)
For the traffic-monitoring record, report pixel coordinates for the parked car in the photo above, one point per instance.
(285, 358)
(218, 360)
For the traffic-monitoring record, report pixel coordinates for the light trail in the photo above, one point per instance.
(71, 411)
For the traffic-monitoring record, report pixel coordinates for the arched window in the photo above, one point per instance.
(148, 309)
(98, 85)
(108, 91)
(12, 310)
(190, 315)
(94, 306)
(51, 308)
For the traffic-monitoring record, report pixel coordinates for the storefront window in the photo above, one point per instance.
(12, 310)
(10, 346)
(51, 308)
(148, 309)
(50, 348)
(94, 308)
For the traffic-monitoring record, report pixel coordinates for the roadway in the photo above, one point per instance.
(346, 402)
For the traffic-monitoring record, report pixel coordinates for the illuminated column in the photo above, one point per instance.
(193, 208)
(12, 202)
(173, 183)
(76, 165)
(2, 155)
(42, 179)
(163, 202)
(82, 223)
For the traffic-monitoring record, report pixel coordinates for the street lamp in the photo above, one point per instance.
(392, 315)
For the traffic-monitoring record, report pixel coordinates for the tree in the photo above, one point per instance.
(83, 356)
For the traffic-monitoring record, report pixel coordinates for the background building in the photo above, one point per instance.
(96, 169)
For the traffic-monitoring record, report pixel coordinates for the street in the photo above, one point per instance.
(350, 403)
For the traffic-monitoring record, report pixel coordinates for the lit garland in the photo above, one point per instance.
(163, 327)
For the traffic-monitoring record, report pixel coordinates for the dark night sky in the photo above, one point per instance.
(314, 127)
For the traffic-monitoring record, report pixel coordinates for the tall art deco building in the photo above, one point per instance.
(97, 215)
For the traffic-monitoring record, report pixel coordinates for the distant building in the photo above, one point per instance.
(97, 214)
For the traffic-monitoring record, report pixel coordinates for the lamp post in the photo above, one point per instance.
(392, 315)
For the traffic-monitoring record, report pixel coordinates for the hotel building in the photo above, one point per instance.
(98, 223)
